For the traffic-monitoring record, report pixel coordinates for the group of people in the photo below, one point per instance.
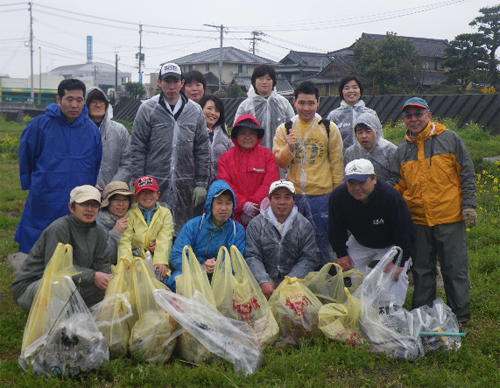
(292, 191)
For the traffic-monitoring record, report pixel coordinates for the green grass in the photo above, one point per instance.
(314, 363)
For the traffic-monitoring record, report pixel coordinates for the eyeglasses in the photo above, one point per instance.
(97, 102)
(408, 116)
(120, 200)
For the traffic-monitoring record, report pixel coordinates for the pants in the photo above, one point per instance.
(362, 256)
(448, 242)
(315, 209)
(28, 296)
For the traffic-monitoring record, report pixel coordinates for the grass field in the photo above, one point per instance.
(315, 363)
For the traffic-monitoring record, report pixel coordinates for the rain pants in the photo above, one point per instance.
(271, 112)
(345, 117)
(174, 149)
(381, 154)
(204, 237)
(272, 255)
(55, 156)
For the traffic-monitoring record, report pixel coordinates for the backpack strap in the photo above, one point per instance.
(326, 123)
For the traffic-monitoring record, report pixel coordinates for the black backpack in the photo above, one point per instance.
(325, 122)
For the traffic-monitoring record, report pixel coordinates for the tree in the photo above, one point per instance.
(235, 91)
(391, 61)
(467, 58)
(135, 89)
(488, 24)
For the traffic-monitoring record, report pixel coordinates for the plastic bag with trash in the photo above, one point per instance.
(232, 340)
(60, 336)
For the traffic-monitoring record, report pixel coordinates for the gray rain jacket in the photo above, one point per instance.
(115, 144)
(381, 154)
(272, 254)
(221, 142)
(271, 112)
(175, 150)
(345, 116)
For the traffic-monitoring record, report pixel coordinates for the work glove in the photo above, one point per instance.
(245, 220)
(250, 209)
(470, 217)
(199, 195)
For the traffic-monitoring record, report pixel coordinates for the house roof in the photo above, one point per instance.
(307, 59)
(229, 55)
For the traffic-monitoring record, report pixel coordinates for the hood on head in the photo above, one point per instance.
(370, 120)
(216, 188)
(109, 110)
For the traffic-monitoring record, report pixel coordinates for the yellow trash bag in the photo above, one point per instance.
(114, 314)
(340, 321)
(193, 278)
(153, 333)
(296, 309)
(60, 337)
(238, 296)
(328, 288)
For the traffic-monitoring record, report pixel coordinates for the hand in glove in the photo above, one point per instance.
(251, 209)
(470, 217)
(199, 195)
(245, 220)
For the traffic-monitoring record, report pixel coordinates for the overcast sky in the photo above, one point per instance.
(172, 29)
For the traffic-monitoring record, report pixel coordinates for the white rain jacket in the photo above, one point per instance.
(221, 142)
(381, 154)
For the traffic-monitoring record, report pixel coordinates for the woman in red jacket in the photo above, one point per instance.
(248, 167)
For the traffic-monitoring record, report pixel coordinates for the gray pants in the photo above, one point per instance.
(28, 296)
(448, 242)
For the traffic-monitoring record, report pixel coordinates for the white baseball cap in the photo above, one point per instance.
(170, 70)
(282, 183)
(359, 169)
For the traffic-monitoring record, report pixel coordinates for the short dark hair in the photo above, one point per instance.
(195, 75)
(96, 94)
(218, 104)
(360, 126)
(349, 78)
(70, 84)
(261, 71)
(306, 87)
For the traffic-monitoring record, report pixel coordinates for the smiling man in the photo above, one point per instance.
(280, 241)
(435, 174)
(377, 218)
(59, 150)
(91, 255)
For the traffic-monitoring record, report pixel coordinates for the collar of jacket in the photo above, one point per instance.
(432, 129)
(80, 224)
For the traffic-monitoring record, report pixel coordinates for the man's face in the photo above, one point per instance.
(97, 109)
(416, 119)
(222, 208)
(171, 88)
(361, 190)
(306, 106)
(247, 138)
(147, 198)
(85, 211)
(194, 90)
(366, 136)
(282, 203)
(71, 104)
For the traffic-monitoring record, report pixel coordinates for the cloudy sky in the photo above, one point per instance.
(172, 29)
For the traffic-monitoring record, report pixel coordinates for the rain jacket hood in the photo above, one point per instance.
(216, 188)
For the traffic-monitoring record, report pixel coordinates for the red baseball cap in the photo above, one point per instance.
(146, 182)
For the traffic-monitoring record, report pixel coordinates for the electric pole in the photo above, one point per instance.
(140, 53)
(116, 76)
(254, 40)
(31, 53)
(221, 29)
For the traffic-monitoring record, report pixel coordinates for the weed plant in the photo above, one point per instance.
(318, 362)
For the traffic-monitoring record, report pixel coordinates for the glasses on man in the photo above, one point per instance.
(417, 115)
(97, 102)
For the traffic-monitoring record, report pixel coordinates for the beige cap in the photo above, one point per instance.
(113, 188)
(85, 193)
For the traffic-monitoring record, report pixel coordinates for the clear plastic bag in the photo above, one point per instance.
(330, 289)
(386, 324)
(153, 335)
(440, 319)
(340, 321)
(232, 340)
(113, 315)
(239, 296)
(192, 279)
(296, 309)
(60, 336)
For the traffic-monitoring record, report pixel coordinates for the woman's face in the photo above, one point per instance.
(264, 85)
(194, 90)
(212, 114)
(119, 205)
(247, 138)
(97, 109)
(351, 92)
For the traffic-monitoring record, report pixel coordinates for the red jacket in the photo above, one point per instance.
(249, 173)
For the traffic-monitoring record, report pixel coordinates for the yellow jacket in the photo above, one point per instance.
(139, 235)
(316, 166)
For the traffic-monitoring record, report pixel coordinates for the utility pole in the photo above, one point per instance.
(140, 53)
(221, 29)
(254, 40)
(40, 80)
(116, 76)
(31, 53)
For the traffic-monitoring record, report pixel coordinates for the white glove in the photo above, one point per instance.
(470, 217)
(245, 220)
(251, 209)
